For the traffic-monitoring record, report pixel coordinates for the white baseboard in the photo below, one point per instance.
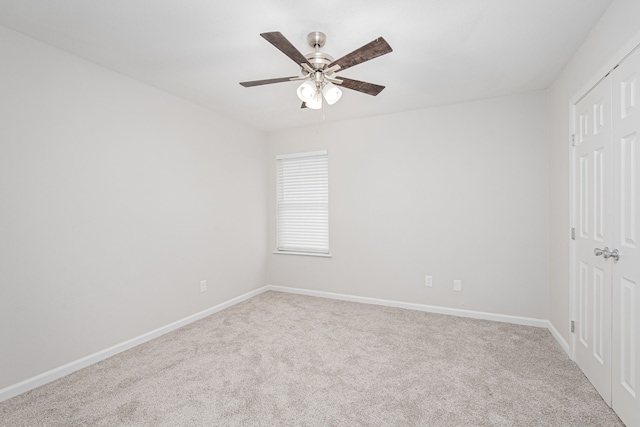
(526, 321)
(61, 371)
(563, 343)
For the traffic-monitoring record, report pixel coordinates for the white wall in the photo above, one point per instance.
(116, 199)
(458, 192)
(614, 30)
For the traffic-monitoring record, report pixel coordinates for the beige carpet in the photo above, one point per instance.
(290, 360)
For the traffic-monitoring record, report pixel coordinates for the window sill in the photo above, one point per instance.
(329, 255)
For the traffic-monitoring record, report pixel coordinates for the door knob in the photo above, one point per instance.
(613, 254)
(606, 253)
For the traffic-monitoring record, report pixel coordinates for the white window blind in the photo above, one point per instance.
(303, 202)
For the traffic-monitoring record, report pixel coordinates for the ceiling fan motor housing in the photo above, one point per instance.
(319, 60)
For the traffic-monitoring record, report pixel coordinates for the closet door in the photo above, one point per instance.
(626, 218)
(592, 202)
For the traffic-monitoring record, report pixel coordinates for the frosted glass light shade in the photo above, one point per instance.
(331, 93)
(315, 103)
(306, 91)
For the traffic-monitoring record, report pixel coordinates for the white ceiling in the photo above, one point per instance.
(444, 51)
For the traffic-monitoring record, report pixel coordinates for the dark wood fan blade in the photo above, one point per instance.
(266, 81)
(304, 105)
(279, 41)
(376, 48)
(364, 87)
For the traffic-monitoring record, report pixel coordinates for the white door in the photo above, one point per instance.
(592, 202)
(626, 216)
(606, 254)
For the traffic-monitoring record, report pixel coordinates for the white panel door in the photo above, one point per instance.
(592, 208)
(626, 216)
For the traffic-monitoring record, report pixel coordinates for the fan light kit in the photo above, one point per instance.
(318, 69)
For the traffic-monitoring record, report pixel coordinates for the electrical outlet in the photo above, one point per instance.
(428, 280)
(203, 286)
(457, 285)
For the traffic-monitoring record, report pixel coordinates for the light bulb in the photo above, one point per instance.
(331, 93)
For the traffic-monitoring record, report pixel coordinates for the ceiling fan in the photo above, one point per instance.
(318, 69)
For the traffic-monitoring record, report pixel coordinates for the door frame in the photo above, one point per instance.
(630, 47)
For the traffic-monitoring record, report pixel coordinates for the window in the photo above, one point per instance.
(303, 203)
